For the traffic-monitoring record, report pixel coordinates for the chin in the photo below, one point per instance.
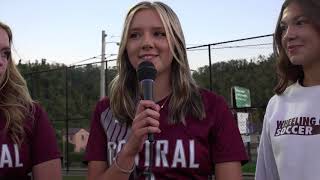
(295, 60)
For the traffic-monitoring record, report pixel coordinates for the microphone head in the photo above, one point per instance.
(146, 70)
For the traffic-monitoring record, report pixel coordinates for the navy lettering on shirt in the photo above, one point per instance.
(305, 126)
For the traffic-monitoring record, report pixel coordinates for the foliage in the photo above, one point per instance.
(71, 92)
(65, 92)
(249, 168)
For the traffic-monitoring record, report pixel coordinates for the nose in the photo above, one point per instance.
(290, 33)
(147, 42)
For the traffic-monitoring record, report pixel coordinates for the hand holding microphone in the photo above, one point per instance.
(146, 76)
(146, 121)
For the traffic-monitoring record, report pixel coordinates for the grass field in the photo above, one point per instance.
(249, 168)
(74, 177)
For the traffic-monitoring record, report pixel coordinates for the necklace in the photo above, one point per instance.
(164, 103)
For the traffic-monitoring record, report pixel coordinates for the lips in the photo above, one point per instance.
(148, 56)
(293, 48)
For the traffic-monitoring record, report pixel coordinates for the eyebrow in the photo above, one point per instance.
(153, 28)
(294, 19)
(6, 49)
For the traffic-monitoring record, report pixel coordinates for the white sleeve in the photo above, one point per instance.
(266, 168)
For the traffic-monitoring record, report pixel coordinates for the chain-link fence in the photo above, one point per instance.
(69, 94)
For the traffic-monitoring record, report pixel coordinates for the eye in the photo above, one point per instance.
(5, 54)
(160, 34)
(283, 28)
(302, 21)
(134, 35)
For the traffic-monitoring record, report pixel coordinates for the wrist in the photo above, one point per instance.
(126, 166)
(127, 153)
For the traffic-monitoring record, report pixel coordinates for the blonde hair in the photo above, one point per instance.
(15, 101)
(124, 89)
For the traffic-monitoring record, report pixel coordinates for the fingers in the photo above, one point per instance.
(146, 123)
(147, 104)
(146, 119)
(147, 113)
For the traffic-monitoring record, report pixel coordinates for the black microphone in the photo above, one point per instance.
(146, 76)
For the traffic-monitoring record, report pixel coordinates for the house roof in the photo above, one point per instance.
(73, 131)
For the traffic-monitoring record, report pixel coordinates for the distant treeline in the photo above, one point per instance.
(71, 92)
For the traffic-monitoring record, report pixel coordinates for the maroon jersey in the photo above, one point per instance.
(180, 151)
(39, 145)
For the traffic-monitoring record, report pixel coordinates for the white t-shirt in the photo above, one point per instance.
(290, 141)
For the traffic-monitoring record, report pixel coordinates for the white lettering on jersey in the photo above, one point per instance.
(179, 155)
(161, 153)
(121, 143)
(16, 153)
(5, 157)
(192, 155)
(147, 153)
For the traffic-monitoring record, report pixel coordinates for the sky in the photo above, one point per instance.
(69, 31)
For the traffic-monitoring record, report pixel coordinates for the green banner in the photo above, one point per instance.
(242, 97)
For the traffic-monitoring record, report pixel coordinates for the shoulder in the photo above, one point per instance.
(102, 105)
(102, 112)
(38, 111)
(37, 107)
(292, 89)
(277, 99)
(211, 99)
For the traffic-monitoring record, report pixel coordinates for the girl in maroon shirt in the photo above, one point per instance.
(194, 131)
(27, 140)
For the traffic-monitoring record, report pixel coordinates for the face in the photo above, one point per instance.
(147, 41)
(4, 52)
(300, 39)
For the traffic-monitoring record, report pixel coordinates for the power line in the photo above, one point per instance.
(94, 57)
(96, 62)
(63, 67)
(230, 47)
(87, 59)
(231, 41)
(16, 52)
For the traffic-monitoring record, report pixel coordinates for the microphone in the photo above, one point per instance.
(146, 76)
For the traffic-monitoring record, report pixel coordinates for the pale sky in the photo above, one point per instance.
(68, 31)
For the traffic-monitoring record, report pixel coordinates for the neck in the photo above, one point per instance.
(312, 75)
(1, 81)
(162, 86)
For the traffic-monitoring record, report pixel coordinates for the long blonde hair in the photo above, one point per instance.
(15, 102)
(124, 89)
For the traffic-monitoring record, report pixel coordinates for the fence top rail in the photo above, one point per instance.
(225, 42)
(188, 48)
(64, 67)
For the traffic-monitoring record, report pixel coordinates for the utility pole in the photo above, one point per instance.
(102, 74)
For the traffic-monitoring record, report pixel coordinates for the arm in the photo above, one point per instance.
(95, 168)
(46, 163)
(228, 171)
(227, 148)
(49, 170)
(98, 170)
(266, 168)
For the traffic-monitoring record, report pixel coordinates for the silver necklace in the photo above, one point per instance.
(164, 103)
